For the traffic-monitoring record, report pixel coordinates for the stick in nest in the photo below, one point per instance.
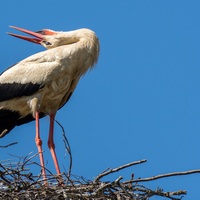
(110, 171)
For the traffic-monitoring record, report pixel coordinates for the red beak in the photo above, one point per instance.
(38, 37)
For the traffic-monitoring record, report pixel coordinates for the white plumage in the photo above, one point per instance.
(43, 83)
(56, 70)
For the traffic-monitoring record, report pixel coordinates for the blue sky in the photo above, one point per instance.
(142, 100)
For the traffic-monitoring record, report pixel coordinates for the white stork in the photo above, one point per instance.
(42, 83)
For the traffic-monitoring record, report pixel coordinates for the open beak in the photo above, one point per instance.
(38, 37)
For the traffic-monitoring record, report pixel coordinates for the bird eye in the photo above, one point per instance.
(47, 43)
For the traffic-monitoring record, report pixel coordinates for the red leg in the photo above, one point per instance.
(51, 144)
(38, 142)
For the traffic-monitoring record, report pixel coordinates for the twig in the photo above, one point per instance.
(124, 190)
(159, 192)
(8, 145)
(110, 171)
(162, 176)
(27, 159)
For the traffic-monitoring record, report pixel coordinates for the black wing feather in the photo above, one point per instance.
(9, 119)
(13, 90)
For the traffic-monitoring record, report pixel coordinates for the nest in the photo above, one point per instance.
(18, 183)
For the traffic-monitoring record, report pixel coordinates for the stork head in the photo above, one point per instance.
(39, 36)
(51, 39)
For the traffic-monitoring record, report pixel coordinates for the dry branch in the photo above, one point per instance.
(8, 145)
(109, 171)
(163, 176)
